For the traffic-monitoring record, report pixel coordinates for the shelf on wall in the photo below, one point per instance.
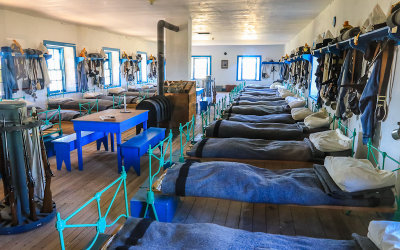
(16, 54)
(80, 59)
(271, 63)
(363, 41)
(304, 57)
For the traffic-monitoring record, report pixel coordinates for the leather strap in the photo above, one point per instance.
(180, 185)
(216, 128)
(199, 149)
(137, 233)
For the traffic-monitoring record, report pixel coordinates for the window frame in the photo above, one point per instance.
(1, 78)
(109, 51)
(60, 45)
(237, 68)
(139, 78)
(209, 66)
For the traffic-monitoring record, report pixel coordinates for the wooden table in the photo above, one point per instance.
(123, 122)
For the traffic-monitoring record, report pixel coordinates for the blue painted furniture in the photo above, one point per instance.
(165, 205)
(122, 123)
(137, 146)
(64, 145)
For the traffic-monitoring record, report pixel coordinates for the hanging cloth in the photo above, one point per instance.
(344, 79)
(8, 73)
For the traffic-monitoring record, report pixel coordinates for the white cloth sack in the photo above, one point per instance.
(275, 85)
(299, 114)
(331, 141)
(90, 95)
(319, 119)
(116, 91)
(284, 92)
(385, 234)
(352, 175)
(297, 103)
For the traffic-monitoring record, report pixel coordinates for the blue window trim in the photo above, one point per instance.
(311, 82)
(139, 78)
(61, 45)
(209, 67)
(107, 49)
(237, 68)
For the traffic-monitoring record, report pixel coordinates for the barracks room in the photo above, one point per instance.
(200, 124)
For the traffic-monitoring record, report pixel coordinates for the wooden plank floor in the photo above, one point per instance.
(72, 189)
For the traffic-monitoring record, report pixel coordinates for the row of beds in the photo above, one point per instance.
(259, 126)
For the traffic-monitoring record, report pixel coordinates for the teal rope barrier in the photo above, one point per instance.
(162, 163)
(101, 224)
(189, 127)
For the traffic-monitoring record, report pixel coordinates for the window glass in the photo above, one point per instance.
(55, 70)
(313, 87)
(107, 69)
(1, 81)
(143, 68)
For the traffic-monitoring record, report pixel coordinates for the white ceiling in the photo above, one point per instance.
(230, 22)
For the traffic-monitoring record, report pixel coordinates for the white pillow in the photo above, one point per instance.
(89, 95)
(297, 103)
(116, 91)
(28, 103)
(331, 141)
(319, 119)
(385, 234)
(275, 85)
(352, 175)
(299, 114)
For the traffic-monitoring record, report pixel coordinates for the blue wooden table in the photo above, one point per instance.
(123, 122)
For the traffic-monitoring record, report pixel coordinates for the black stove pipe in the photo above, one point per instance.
(160, 51)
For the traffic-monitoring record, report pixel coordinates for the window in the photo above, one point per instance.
(61, 67)
(111, 67)
(201, 67)
(143, 68)
(249, 68)
(313, 87)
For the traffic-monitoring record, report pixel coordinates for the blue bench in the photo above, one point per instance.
(137, 146)
(165, 205)
(64, 145)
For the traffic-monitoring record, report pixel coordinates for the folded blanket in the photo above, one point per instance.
(247, 183)
(140, 233)
(375, 196)
(74, 104)
(261, 93)
(274, 118)
(266, 103)
(266, 131)
(257, 149)
(258, 110)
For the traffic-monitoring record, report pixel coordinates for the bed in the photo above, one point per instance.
(266, 103)
(146, 234)
(247, 183)
(56, 115)
(73, 104)
(266, 131)
(253, 98)
(274, 118)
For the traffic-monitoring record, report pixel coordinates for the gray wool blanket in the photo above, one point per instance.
(266, 103)
(260, 93)
(66, 115)
(258, 110)
(253, 98)
(276, 118)
(74, 104)
(266, 131)
(140, 233)
(257, 149)
(247, 183)
(116, 99)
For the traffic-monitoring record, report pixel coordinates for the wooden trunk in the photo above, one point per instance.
(183, 106)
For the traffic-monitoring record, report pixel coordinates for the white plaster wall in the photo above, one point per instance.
(228, 76)
(178, 46)
(357, 11)
(30, 31)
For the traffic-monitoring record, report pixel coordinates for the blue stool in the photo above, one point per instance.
(137, 146)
